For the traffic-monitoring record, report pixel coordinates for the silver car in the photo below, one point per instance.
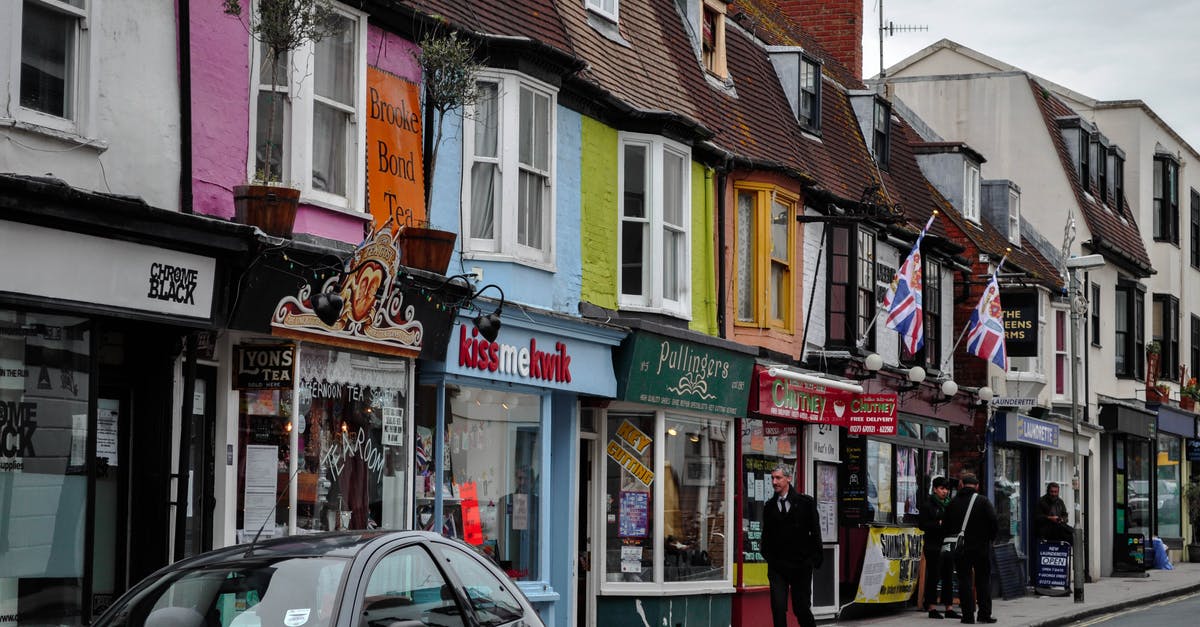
(345, 579)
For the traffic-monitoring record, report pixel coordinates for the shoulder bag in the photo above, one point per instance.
(954, 544)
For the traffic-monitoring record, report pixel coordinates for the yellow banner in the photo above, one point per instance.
(891, 565)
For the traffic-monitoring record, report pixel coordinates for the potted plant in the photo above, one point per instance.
(1188, 393)
(281, 26)
(448, 71)
(1152, 355)
(1191, 497)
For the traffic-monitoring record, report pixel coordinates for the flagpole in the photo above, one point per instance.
(963, 333)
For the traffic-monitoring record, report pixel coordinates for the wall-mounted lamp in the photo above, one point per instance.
(489, 324)
(947, 390)
(870, 367)
(916, 375)
(327, 306)
(985, 396)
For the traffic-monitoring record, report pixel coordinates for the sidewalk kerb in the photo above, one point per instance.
(1118, 606)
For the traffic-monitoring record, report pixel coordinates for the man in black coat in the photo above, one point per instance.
(791, 545)
(1051, 520)
(974, 561)
(939, 566)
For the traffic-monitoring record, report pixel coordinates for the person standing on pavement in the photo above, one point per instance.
(791, 546)
(1052, 517)
(939, 565)
(973, 560)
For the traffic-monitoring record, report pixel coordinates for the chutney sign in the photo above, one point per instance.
(869, 414)
(395, 174)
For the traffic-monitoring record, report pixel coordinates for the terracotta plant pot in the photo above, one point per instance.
(1155, 395)
(269, 207)
(1187, 402)
(427, 249)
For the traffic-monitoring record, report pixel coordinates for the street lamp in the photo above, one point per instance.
(1079, 308)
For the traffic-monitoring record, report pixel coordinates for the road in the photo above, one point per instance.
(1177, 611)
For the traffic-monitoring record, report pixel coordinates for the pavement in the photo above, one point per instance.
(1106, 596)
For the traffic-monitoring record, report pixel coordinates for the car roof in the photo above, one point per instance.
(337, 544)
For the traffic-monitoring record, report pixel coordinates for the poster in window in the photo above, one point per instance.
(634, 517)
(393, 426)
(827, 477)
(698, 472)
(106, 429)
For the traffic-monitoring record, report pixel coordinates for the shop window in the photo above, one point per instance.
(879, 481)
(1167, 471)
(44, 391)
(689, 517)
(908, 486)
(1137, 461)
(492, 472)
(765, 447)
(1057, 469)
(935, 466)
(1006, 484)
(765, 256)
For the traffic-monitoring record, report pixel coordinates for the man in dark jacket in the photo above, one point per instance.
(938, 566)
(791, 546)
(974, 561)
(1052, 517)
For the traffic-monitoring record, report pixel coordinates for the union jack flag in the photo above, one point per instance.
(903, 298)
(421, 455)
(985, 332)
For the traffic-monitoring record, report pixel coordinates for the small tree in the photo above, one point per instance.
(449, 71)
(283, 26)
(1191, 495)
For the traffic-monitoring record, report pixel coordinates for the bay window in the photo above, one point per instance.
(850, 303)
(508, 173)
(765, 256)
(654, 240)
(308, 110)
(667, 498)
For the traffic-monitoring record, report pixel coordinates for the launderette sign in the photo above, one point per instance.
(1035, 431)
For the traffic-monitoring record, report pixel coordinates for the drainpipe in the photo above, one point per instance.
(184, 20)
(722, 181)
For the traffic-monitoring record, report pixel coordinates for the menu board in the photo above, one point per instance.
(758, 490)
(852, 480)
(827, 495)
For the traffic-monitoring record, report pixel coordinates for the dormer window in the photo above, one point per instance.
(1014, 217)
(970, 206)
(1102, 171)
(606, 8)
(809, 113)
(880, 140)
(712, 37)
(1118, 176)
(1166, 199)
(1085, 159)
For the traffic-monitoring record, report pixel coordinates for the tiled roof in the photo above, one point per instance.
(1114, 231)
(533, 19)
(766, 21)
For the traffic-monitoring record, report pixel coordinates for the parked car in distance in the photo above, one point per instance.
(343, 579)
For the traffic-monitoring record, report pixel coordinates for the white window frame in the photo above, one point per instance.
(80, 103)
(656, 146)
(1014, 217)
(297, 141)
(504, 246)
(971, 191)
(597, 7)
(659, 586)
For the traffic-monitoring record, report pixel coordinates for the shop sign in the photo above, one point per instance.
(630, 436)
(18, 423)
(824, 440)
(1021, 324)
(395, 174)
(264, 367)
(524, 362)
(891, 565)
(870, 414)
(377, 313)
(1014, 401)
(62, 265)
(1193, 450)
(1035, 431)
(683, 375)
(1054, 560)
(852, 480)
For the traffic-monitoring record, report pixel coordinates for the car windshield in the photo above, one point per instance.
(251, 593)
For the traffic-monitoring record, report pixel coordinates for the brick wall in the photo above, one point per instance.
(836, 24)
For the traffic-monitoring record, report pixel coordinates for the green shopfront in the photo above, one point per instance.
(664, 515)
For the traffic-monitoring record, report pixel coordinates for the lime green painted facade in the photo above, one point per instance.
(600, 223)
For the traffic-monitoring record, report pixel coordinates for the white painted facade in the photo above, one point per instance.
(123, 135)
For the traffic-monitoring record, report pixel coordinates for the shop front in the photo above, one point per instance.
(497, 439)
(664, 502)
(1130, 441)
(1175, 428)
(1028, 454)
(94, 315)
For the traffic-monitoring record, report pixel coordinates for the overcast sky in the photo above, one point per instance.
(1146, 50)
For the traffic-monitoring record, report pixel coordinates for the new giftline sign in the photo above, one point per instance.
(869, 414)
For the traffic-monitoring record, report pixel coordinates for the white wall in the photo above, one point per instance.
(127, 136)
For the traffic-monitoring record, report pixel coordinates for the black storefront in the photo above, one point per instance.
(1129, 440)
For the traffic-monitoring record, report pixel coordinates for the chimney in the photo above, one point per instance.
(837, 25)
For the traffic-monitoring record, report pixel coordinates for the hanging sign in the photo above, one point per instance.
(1021, 324)
(870, 414)
(264, 367)
(395, 171)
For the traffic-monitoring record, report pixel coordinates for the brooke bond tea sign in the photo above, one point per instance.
(870, 414)
(395, 174)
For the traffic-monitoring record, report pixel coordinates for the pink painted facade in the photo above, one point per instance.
(221, 116)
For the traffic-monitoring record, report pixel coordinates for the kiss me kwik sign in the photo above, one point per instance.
(868, 414)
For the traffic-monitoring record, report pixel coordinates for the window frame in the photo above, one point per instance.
(1085, 160)
(504, 244)
(79, 105)
(657, 524)
(1094, 313)
(717, 64)
(856, 236)
(971, 191)
(1062, 362)
(1194, 342)
(298, 140)
(1133, 339)
(1165, 311)
(1194, 228)
(1102, 171)
(1165, 207)
(1014, 217)
(763, 259)
(655, 301)
(811, 123)
(881, 138)
(1118, 175)
(923, 446)
(597, 7)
